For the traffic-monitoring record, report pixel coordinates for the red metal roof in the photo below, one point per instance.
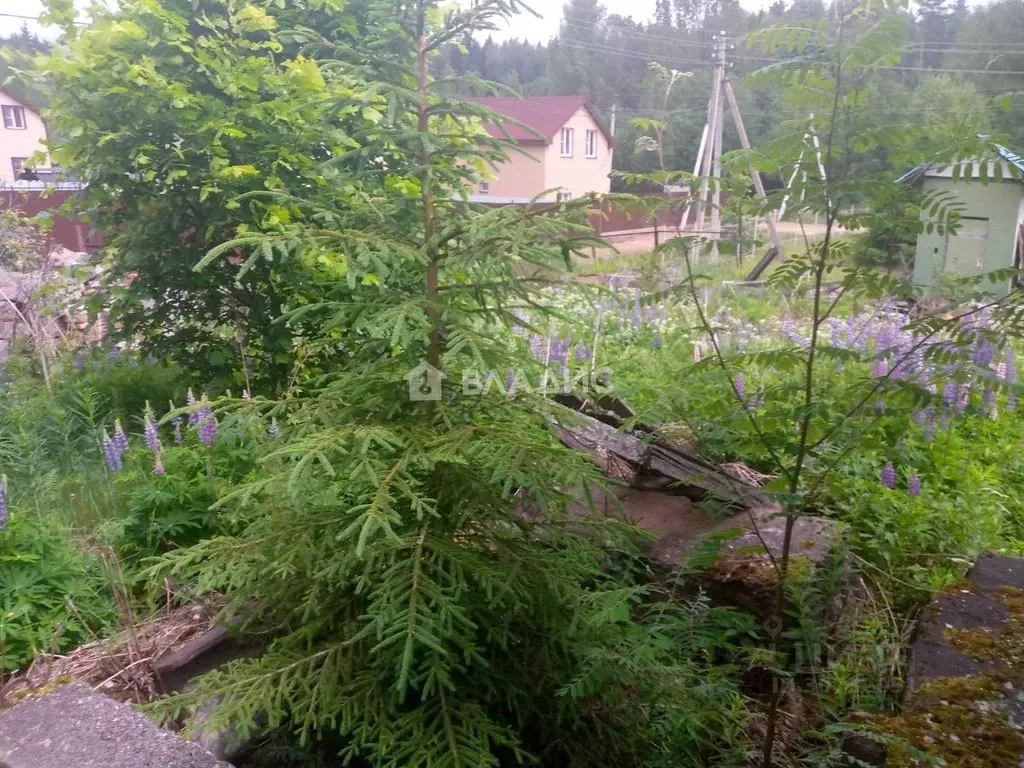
(545, 114)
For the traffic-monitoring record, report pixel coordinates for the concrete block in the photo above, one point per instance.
(75, 726)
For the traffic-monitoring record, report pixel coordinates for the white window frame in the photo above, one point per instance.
(485, 188)
(566, 138)
(591, 144)
(18, 165)
(12, 116)
(564, 197)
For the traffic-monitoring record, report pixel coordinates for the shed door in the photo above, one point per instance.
(965, 251)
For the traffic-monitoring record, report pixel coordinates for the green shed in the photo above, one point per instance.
(991, 231)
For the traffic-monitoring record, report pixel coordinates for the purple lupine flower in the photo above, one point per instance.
(3, 505)
(962, 398)
(150, 431)
(208, 429)
(158, 465)
(582, 352)
(880, 368)
(739, 384)
(884, 338)
(510, 383)
(536, 347)
(177, 421)
(920, 416)
(193, 417)
(273, 430)
(120, 438)
(949, 392)
(111, 453)
(1011, 368)
(1001, 371)
(983, 352)
(559, 350)
(835, 332)
(756, 401)
(914, 484)
(889, 475)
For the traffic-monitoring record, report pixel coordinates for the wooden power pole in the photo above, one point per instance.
(709, 155)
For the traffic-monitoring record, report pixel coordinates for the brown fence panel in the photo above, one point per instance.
(73, 235)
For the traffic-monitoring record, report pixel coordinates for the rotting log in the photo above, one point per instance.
(652, 455)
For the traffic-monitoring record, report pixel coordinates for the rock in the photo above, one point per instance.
(966, 670)
(745, 573)
(178, 670)
(75, 727)
(962, 626)
(861, 749)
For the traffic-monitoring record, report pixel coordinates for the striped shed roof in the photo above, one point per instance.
(1008, 157)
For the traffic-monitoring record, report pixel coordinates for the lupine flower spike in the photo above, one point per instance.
(889, 476)
(739, 384)
(208, 430)
(111, 453)
(158, 465)
(914, 484)
(150, 430)
(177, 421)
(3, 503)
(120, 438)
(193, 416)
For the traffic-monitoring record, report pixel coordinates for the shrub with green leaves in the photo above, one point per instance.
(53, 597)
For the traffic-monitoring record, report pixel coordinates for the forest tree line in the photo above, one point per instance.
(964, 70)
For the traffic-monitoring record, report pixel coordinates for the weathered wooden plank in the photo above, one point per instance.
(663, 457)
(587, 434)
(667, 458)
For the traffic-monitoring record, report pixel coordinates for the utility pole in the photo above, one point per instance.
(716, 162)
(709, 155)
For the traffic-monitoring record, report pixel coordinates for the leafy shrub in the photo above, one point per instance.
(52, 596)
(159, 512)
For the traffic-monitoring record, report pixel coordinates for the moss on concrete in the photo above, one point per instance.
(965, 720)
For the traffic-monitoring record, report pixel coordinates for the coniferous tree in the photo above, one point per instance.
(404, 554)
(663, 13)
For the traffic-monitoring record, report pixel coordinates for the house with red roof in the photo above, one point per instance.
(566, 151)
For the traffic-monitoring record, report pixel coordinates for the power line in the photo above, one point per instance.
(35, 19)
(993, 49)
(597, 48)
(601, 48)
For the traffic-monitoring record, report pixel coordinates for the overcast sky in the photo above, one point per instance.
(524, 26)
(539, 29)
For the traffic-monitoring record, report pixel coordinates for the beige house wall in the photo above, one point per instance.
(523, 178)
(579, 175)
(520, 179)
(15, 142)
